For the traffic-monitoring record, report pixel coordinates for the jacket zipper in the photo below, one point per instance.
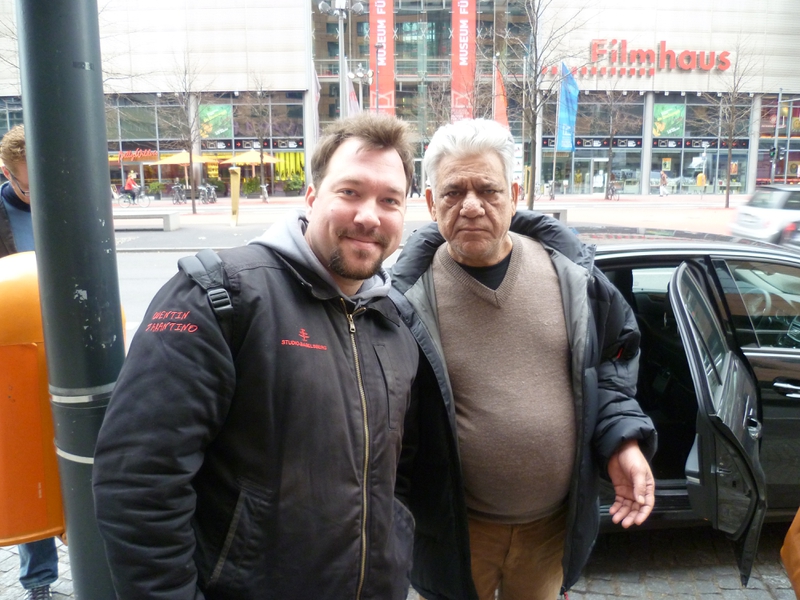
(365, 471)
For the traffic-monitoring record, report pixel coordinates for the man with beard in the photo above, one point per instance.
(259, 460)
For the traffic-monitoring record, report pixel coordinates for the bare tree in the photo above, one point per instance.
(532, 46)
(179, 115)
(260, 118)
(728, 114)
(623, 114)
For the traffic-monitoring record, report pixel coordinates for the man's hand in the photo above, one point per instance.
(634, 485)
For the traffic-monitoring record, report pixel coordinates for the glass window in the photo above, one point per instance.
(287, 121)
(711, 342)
(172, 123)
(137, 122)
(769, 299)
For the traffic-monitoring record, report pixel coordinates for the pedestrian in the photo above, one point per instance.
(527, 389)
(662, 190)
(260, 460)
(790, 554)
(130, 185)
(39, 559)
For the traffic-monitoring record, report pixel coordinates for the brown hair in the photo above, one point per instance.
(12, 147)
(377, 131)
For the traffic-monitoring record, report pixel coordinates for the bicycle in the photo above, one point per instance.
(135, 197)
(208, 193)
(178, 194)
(612, 193)
(548, 191)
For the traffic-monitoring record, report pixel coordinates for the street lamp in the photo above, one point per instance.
(340, 9)
(361, 76)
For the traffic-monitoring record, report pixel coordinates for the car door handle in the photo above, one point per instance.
(787, 389)
(753, 427)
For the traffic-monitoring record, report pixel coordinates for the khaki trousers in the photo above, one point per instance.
(521, 562)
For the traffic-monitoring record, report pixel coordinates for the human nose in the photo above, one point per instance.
(367, 214)
(472, 205)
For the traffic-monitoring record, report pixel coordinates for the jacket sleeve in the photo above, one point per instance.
(170, 401)
(619, 416)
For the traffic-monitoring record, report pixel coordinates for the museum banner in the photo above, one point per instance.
(462, 99)
(381, 52)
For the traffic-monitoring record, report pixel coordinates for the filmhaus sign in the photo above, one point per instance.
(613, 57)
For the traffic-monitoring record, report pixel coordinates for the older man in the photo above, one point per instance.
(528, 387)
(260, 461)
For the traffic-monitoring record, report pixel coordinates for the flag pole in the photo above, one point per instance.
(555, 145)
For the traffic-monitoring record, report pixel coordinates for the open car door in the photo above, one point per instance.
(724, 479)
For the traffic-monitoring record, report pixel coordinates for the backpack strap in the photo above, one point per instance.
(206, 270)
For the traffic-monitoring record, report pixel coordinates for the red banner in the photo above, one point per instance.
(381, 54)
(462, 100)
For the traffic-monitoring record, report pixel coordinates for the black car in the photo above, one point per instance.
(719, 374)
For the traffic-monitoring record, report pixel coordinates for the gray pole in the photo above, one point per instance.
(774, 159)
(67, 152)
(343, 84)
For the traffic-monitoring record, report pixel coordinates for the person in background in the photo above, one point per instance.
(662, 189)
(38, 560)
(130, 185)
(528, 388)
(262, 463)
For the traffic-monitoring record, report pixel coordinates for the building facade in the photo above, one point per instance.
(663, 87)
(706, 91)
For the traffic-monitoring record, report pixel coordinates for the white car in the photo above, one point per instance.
(767, 213)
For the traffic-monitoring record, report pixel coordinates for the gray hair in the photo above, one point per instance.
(468, 138)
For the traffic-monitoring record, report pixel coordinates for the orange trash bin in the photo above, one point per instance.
(30, 489)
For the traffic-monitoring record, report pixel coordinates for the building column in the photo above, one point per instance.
(647, 142)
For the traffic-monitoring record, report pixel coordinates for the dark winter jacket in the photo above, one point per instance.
(7, 245)
(263, 469)
(604, 342)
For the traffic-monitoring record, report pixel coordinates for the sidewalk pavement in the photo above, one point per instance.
(211, 226)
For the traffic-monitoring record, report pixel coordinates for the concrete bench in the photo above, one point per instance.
(171, 219)
(556, 213)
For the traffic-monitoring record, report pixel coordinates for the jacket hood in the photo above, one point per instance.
(421, 246)
(287, 238)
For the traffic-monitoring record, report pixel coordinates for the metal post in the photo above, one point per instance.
(788, 142)
(75, 252)
(774, 160)
(343, 83)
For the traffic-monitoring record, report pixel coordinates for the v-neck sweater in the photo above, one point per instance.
(507, 356)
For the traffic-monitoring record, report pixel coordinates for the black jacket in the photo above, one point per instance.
(263, 470)
(7, 245)
(604, 358)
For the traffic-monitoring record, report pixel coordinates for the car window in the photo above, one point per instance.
(711, 342)
(766, 199)
(652, 280)
(770, 299)
(793, 201)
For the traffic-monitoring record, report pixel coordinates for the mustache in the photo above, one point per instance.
(360, 232)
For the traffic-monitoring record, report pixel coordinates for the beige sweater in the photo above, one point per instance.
(507, 356)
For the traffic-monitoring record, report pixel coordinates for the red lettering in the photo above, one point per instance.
(642, 57)
(723, 64)
(597, 50)
(665, 55)
(687, 60)
(623, 48)
(704, 64)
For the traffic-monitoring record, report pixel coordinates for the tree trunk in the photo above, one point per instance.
(530, 192)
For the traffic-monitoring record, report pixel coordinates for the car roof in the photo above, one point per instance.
(610, 239)
(782, 187)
